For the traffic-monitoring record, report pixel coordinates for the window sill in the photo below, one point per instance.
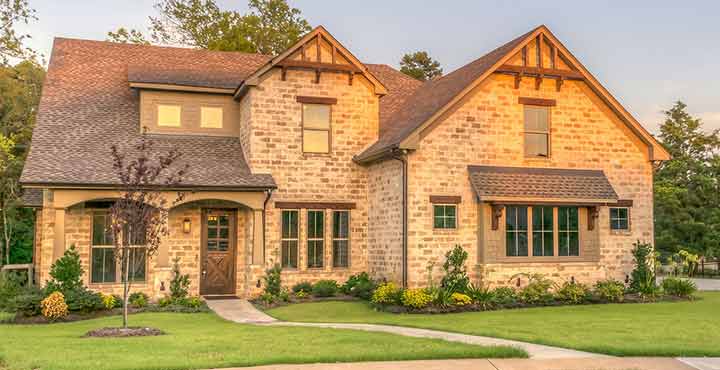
(532, 260)
(621, 232)
(315, 155)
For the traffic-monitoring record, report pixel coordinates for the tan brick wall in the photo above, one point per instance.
(385, 220)
(78, 224)
(274, 122)
(487, 129)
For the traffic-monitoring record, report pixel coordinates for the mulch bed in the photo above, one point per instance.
(124, 332)
(77, 316)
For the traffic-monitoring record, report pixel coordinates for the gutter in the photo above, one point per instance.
(401, 156)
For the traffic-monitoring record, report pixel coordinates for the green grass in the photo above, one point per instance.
(657, 329)
(204, 340)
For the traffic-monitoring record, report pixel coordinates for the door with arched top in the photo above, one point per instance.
(219, 236)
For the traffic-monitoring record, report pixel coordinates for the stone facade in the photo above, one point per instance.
(487, 129)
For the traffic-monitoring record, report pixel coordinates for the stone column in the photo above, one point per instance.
(258, 251)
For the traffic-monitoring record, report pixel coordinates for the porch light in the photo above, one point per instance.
(186, 226)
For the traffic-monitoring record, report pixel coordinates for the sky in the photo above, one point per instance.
(649, 54)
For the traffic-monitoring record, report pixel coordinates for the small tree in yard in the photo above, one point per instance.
(139, 216)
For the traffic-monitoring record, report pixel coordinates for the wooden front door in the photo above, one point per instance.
(219, 236)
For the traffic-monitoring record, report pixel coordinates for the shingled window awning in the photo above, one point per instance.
(541, 185)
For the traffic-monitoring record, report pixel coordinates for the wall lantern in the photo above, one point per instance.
(186, 226)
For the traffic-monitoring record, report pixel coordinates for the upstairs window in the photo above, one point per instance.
(316, 128)
(168, 115)
(537, 131)
(445, 216)
(211, 117)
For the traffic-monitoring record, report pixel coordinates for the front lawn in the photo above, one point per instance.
(203, 340)
(656, 329)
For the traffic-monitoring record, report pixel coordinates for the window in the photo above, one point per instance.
(537, 131)
(619, 218)
(211, 117)
(104, 267)
(289, 239)
(568, 232)
(341, 238)
(444, 216)
(542, 231)
(316, 128)
(218, 233)
(168, 115)
(102, 250)
(516, 231)
(315, 238)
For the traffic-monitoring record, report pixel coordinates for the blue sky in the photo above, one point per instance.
(647, 53)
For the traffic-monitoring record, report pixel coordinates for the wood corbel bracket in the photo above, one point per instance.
(593, 215)
(497, 211)
(518, 79)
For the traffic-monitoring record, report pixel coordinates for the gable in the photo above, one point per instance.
(536, 55)
(317, 51)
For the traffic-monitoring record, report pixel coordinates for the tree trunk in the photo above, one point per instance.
(6, 235)
(126, 284)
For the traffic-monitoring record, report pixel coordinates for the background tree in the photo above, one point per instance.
(687, 187)
(20, 88)
(13, 12)
(420, 65)
(270, 26)
(139, 216)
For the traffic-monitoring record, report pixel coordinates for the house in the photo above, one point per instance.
(330, 166)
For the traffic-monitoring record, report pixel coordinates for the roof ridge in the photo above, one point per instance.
(155, 46)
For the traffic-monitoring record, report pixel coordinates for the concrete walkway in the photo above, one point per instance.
(610, 363)
(242, 311)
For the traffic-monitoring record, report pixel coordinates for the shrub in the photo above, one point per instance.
(504, 295)
(27, 303)
(573, 293)
(679, 287)
(353, 281)
(642, 278)
(10, 287)
(387, 293)
(54, 306)
(302, 294)
(460, 299)
(482, 296)
(138, 299)
(66, 272)
(325, 288)
(192, 302)
(284, 295)
(456, 278)
(267, 298)
(441, 297)
(272, 280)
(416, 298)
(80, 299)
(118, 301)
(304, 286)
(610, 290)
(165, 301)
(537, 291)
(180, 284)
(108, 301)
(364, 289)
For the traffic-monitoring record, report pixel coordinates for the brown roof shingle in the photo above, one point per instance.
(430, 97)
(540, 183)
(87, 106)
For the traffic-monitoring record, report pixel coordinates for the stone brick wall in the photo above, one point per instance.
(487, 129)
(272, 128)
(385, 220)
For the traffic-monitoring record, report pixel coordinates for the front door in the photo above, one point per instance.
(218, 251)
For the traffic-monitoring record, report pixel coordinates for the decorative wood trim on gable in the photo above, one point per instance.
(315, 205)
(445, 199)
(316, 100)
(538, 101)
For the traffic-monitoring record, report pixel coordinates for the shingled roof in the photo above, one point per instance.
(551, 184)
(87, 106)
